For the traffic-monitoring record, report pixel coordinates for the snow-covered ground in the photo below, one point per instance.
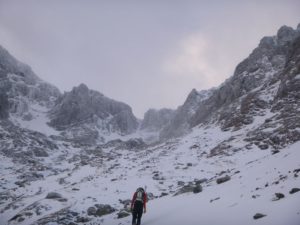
(236, 203)
(38, 122)
(114, 174)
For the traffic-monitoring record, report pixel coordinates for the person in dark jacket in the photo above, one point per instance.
(138, 203)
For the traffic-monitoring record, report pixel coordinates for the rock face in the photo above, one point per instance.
(155, 120)
(23, 98)
(26, 143)
(179, 123)
(20, 88)
(267, 81)
(236, 98)
(86, 114)
(83, 115)
(4, 105)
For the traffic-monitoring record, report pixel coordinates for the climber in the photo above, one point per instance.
(138, 203)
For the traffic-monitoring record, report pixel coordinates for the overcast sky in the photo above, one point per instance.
(148, 54)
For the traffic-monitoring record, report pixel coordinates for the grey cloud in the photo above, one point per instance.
(119, 47)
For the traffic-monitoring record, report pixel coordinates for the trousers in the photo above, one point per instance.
(137, 213)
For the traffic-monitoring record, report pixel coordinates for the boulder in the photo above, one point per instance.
(294, 190)
(53, 195)
(279, 195)
(21, 183)
(296, 170)
(180, 183)
(104, 210)
(125, 202)
(258, 216)
(91, 211)
(263, 146)
(123, 213)
(203, 180)
(185, 189)
(223, 179)
(197, 189)
(81, 219)
(163, 194)
(275, 151)
(194, 146)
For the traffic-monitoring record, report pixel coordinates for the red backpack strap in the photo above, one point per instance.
(133, 199)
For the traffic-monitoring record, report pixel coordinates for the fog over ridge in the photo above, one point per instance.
(146, 54)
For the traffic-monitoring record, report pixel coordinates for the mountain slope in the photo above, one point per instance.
(109, 175)
(155, 120)
(256, 78)
(235, 153)
(21, 90)
(81, 115)
(179, 123)
(238, 200)
(86, 116)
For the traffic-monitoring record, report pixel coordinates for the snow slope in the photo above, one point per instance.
(113, 174)
(39, 121)
(236, 205)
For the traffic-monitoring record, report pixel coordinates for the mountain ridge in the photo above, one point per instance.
(75, 113)
(232, 149)
(267, 60)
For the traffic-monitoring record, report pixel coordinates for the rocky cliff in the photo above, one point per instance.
(155, 120)
(254, 88)
(179, 123)
(87, 115)
(20, 88)
(83, 115)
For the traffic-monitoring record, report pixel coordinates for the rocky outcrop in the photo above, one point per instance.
(84, 115)
(4, 105)
(155, 120)
(179, 123)
(22, 93)
(283, 128)
(22, 144)
(259, 83)
(20, 88)
(236, 98)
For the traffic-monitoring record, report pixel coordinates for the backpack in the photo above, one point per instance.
(140, 195)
